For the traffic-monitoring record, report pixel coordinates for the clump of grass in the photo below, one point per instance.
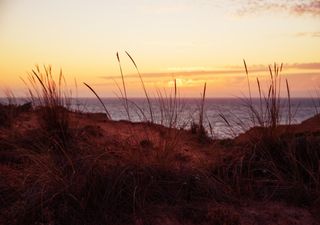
(268, 113)
(286, 170)
(98, 192)
(273, 165)
(170, 107)
(52, 101)
(198, 128)
(269, 110)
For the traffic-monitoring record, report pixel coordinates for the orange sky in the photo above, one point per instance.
(192, 41)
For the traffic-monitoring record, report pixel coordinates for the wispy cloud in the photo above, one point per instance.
(186, 73)
(298, 66)
(304, 66)
(302, 7)
(230, 70)
(308, 34)
(166, 7)
(309, 7)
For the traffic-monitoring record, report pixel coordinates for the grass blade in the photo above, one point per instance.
(103, 105)
(143, 86)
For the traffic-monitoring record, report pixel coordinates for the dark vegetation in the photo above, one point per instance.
(60, 170)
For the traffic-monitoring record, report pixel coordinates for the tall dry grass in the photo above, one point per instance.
(272, 164)
(270, 109)
(170, 107)
(49, 95)
(269, 113)
(143, 87)
(100, 100)
(124, 91)
(169, 104)
(316, 101)
(197, 126)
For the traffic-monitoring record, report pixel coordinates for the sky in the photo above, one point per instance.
(192, 41)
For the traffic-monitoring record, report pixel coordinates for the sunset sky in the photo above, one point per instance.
(194, 41)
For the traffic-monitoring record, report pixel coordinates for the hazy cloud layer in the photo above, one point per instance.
(298, 66)
(308, 34)
(304, 66)
(228, 71)
(302, 7)
(178, 73)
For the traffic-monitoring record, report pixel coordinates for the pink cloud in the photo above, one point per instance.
(303, 7)
(311, 8)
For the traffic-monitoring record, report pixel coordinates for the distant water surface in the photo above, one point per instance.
(217, 111)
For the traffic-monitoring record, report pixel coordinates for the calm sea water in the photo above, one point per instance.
(216, 112)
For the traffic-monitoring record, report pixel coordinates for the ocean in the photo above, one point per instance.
(222, 117)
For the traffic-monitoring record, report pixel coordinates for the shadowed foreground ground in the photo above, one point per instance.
(89, 170)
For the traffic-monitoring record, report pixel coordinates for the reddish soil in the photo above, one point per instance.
(26, 160)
